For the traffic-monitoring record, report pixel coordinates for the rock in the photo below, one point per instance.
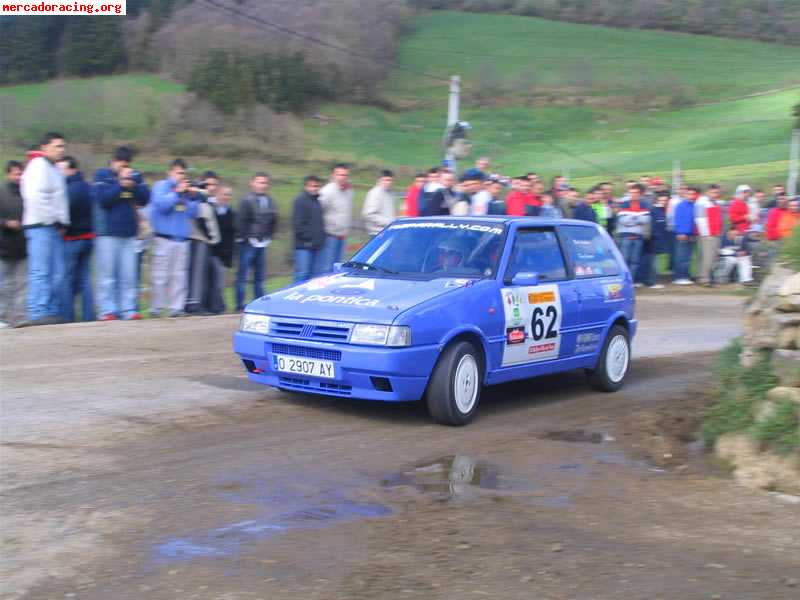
(773, 284)
(556, 548)
(791, 582)
(749, 358)
(786, 319)
(786, 365)
(759, 470)
(786, 338)
(761, 331)
(789, 303)
(791, 286)
(764, 411)
(780, 393)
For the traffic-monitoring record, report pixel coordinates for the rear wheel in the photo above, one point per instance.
(455, 387)
(614, 362)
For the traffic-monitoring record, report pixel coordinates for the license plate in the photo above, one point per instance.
(304, 366)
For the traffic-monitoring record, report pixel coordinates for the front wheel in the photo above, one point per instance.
(455, 387)
(614, 362)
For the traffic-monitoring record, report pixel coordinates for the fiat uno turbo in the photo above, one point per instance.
(437, 308)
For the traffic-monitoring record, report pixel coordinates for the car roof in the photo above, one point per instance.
(504, 219)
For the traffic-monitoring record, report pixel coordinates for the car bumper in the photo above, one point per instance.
(364, 372)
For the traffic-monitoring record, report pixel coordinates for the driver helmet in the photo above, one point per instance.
(450, 253)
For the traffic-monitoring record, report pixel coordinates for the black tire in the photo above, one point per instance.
(441, 393)
(599, 377)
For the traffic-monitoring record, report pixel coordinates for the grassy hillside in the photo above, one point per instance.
(602, 61)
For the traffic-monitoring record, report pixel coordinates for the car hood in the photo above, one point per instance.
(354, 299)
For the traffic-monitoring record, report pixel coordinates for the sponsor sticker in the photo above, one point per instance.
(515, 335)
(320, 283)
(587, 342)
(549, 347)
(541, 298)
(367, 284)
(451, 283)
(613, 291)
(332, 299)
(494, 230)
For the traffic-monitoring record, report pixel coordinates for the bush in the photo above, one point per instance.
(782, 430)
(737, 391)
(791, 249)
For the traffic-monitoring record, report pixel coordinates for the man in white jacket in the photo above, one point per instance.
(44, 217)
(336, 199)
(379, 205)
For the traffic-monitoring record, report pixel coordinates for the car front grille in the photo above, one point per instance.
(304, 352)
(310, 330)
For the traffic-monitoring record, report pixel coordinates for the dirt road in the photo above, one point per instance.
(138, 462)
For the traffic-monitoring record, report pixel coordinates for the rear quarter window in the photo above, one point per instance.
(590, 252)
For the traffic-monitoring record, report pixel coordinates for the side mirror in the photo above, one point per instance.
(337, 267)
(525, 278)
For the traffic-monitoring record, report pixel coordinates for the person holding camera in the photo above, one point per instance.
(173, 205)
(205, 235)
(118, 193)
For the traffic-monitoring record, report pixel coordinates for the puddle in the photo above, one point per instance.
(578, 436)
(228, 540)
(450, 476)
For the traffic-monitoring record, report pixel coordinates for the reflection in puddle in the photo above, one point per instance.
(449, 476)
(225, 541)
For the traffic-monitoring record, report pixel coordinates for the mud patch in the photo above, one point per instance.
(667, 435)
(578, 436)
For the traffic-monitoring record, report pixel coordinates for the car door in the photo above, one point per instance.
(602, 284)
(541, 321)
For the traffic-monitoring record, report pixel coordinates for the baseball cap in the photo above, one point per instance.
(743, 188)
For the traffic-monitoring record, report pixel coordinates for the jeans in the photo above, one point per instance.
(117, 290)
(77, 279)
(215, 293)
(45, 271)
(683, 258)
(631, 249)
(249, 256)
(307, 264)
(13, 283)
(332, 252)
(647, 273)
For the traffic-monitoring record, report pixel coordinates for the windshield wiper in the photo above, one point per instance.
(357, 264)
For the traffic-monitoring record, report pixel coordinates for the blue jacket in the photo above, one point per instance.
(684, 218)
(584, 212)
(660, 239)
(171, 213)
(115, 211)
(80, 206)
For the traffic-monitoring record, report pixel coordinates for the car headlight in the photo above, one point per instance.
(253, 323)
(381, 335)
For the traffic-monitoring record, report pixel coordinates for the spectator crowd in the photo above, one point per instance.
(57, 228)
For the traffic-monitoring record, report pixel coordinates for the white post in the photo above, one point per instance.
(452, 113)
(676, 177)
(794, 164)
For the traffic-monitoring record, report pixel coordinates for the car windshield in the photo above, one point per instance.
(430, 249)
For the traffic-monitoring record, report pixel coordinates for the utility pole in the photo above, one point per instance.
(794, 164)
(452, 114)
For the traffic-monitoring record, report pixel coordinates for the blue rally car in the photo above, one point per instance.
(438, 308)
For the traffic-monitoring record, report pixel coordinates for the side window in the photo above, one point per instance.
(589, 251)
(537, 251)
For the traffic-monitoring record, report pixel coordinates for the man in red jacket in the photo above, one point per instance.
(708, 222)
(739, 211)
(522, 202)
(411, 204)
(774, 217)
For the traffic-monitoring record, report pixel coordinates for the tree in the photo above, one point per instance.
(93, 46)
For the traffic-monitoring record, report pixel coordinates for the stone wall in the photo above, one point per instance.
(772, 323)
